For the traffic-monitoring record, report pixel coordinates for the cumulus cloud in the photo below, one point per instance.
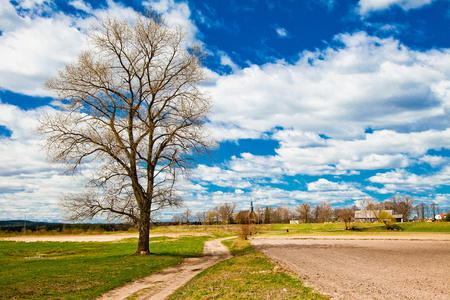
(402, 180)
(28, 185)
(34, 51)
(363, 82)
(174, 13)
(36, 42)
(367, 6)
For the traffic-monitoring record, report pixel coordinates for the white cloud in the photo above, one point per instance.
(30, 54)
(174, 13)
(226, 61)
(282, 32)
(383, 149)
(433, 160)
(365, 82)
(28, 185)
(34, 44)
(402, 180)
(323, 185)
(367, 6)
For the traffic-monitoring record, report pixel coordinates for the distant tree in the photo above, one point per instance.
(304, 212)
(371, 205)
(433, 210)
(346, 215)
(259, 211)
(447, 217)
(323, 212)
(226, 212)
(335, 213)
(212, 217)
(131, 106)
(284, 213)
(187, 215)
(386, 218)
(402, 205)
(200, 216)
(420, 210)
(177, 219)
(268, 215)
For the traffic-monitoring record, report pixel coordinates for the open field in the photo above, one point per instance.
(51, 270)
(360, 268)
(339, 228)
(248, 275)
(56, 270)
(229, 230)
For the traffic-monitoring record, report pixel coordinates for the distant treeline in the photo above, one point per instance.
(21, 225)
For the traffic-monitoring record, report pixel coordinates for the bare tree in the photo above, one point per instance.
(346, 215)
(434, 210)
(421, 210)
(268, 215)
(226, 212)
(177, 219)
(371, 205)
(187, 215)
(200, 216)
(323, 212)
(281, 214)
(259, 211)
(304, 212)
(402, 205)
(212, 217)
(131, 106)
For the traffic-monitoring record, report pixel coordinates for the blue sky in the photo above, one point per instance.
(314, 100)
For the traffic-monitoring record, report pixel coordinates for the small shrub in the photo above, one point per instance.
(245, 231)
(386, 218)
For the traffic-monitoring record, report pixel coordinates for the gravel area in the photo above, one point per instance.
(361, 268)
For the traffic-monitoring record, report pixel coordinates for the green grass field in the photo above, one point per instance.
(339, 228)
(52, 270)
(247, 275)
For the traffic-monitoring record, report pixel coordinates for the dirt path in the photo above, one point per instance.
(162, 284)
(361, 268)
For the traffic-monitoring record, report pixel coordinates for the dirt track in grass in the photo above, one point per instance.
(359, 267)
(159, 285)
(162, 284)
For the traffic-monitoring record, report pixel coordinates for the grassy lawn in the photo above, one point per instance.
(248, 275)
(339, 228)
(51, 270)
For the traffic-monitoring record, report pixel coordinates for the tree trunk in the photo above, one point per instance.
(144, 232)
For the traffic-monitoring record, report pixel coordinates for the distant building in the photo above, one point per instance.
(440, 217)
(294, 221)
(371, 216)
(246, 216)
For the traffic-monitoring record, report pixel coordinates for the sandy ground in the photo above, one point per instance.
(162, 284)
(87, 238)
(367, 267)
